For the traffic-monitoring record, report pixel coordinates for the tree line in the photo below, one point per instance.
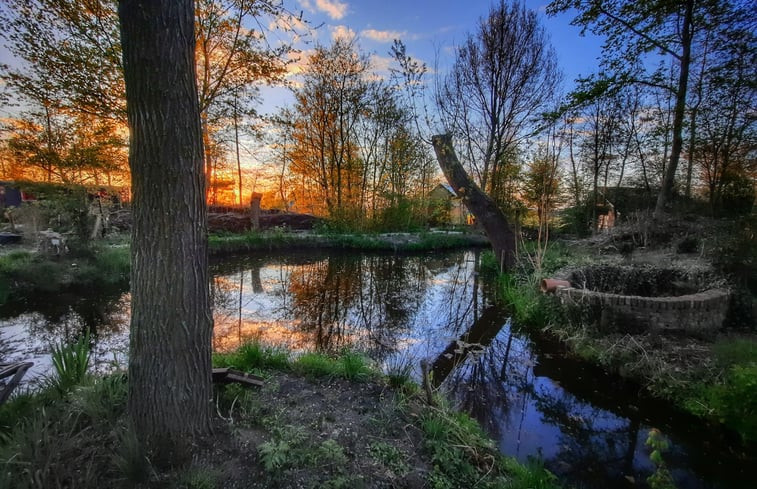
(674, 87)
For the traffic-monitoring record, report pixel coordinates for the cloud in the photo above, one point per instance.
(382, 36)
(342, 32)
(381, 64)
(333, 8)
(288, 22)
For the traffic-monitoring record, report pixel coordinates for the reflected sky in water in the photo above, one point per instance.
(534, 400)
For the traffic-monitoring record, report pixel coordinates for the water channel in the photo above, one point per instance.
(533, 399)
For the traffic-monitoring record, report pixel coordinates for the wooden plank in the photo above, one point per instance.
(226, 375)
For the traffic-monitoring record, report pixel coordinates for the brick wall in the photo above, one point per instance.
(701, 314)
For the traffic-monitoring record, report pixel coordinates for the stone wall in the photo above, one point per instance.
(700, 314)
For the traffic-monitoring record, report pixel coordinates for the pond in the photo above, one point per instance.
(533, 399)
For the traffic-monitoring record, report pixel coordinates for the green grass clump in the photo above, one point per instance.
(316, 364)
(55, 442)
(731, 398)
(252, 356)
(71, 362)
(348, 365)
(735, 352)
(463, 456)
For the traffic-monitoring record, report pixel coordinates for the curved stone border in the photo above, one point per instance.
(701, 314)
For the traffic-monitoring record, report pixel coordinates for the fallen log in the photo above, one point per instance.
(478, 203)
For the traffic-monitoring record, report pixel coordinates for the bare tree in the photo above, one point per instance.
(504, 77)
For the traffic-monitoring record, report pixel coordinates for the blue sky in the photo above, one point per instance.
(430, 30)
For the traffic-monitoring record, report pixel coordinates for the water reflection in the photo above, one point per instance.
(374, 303)
(533, 399)
(29, 326)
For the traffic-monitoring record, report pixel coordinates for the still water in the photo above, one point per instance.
(533, 399)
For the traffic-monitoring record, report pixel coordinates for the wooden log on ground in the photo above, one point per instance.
(228, 375)
(17, 370)
(478, 203)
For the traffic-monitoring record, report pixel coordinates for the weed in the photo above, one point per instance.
(399, 374)
(661, 477)
(130, 459)
(329, 454)
(354, 366)
(316, 364)
(389, 456)
(274, 454)
(71, 362)
(254, 356)
(735, 352)
(198, 478)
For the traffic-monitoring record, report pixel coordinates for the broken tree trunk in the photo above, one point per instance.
(478, 203)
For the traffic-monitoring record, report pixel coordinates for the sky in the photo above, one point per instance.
(430, 30)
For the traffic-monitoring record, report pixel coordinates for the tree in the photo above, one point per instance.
(541, 187)
(53, 147)
(726, 136)
(329, 107)
(504, 77)
(638, 29)
(170, 336)
(70, 55)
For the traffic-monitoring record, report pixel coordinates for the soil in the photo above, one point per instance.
(337, 433)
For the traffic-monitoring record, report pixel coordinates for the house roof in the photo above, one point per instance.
(448, 188)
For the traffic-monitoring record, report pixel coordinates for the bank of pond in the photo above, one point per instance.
(534, 398)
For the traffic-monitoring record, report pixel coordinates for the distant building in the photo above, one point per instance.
(446, 207)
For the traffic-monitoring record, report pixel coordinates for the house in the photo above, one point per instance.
(446, 207)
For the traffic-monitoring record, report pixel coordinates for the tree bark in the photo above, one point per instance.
(170, 336)
(481, 205)
(668, 182)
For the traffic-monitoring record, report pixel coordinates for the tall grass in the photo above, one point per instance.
(71, 362)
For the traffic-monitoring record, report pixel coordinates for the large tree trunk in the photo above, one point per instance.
(170, 337)
(481, 205)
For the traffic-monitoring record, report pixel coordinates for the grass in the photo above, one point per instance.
(267, 240)
(461, 452)
(80, 437)
(719, 382)
(71, 362)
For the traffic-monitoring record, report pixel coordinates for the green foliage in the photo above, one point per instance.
(463, 456)
(51, 442)
(734, 402)
(22, 272)
(348, 365)
(736, 351)
(399, 374)
(402, 214)
(130, 459)
(661, 477)
(521, 295)
(316, 364)
(389, 456)
(253, 356)
(354, 366)
(199, 478)
(274, 454)
(330, 454)
(737, 198)
(71, 362)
